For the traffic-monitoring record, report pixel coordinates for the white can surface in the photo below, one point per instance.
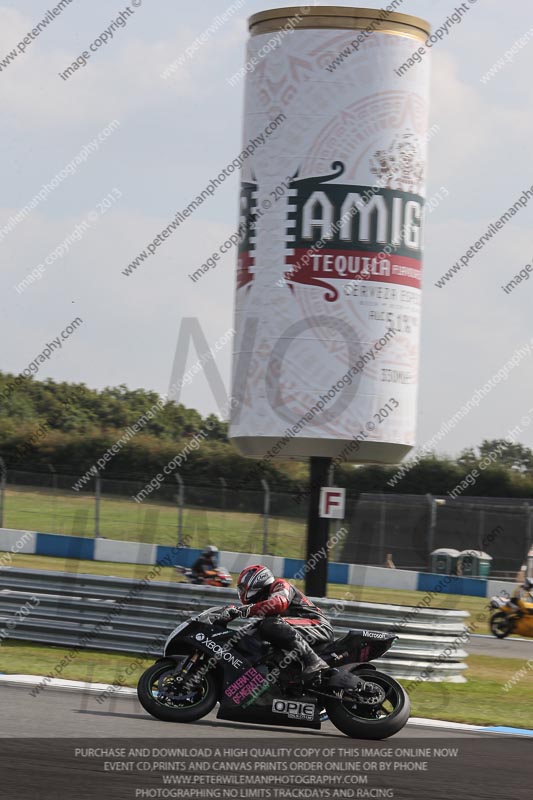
(330, 253)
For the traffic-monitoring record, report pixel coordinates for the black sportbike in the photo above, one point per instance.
(204, 662)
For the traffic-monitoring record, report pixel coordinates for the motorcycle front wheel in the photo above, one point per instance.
(163, 699)
(374, 716)
(500, 625)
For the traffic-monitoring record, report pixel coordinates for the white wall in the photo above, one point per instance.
(17, 541)
(129, 552)
(381, 577)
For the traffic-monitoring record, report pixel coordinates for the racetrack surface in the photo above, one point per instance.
(45, 756)
(57, 713)
(481, 645)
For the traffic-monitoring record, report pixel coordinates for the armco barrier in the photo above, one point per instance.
(78, 547)
(134, 616)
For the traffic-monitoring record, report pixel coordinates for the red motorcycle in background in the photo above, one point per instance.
(213, 577)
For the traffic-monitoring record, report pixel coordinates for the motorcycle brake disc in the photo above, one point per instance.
(167, 687)
(374, 699)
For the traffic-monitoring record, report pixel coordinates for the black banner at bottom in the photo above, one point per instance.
(296, 768)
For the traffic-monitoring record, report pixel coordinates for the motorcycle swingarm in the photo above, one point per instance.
(342, 679)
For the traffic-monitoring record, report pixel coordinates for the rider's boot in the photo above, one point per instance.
(312, 664)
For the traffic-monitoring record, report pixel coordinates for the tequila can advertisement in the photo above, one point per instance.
(329, 271)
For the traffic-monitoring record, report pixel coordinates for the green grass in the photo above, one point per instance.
(480, 701)
(24, 658)
(123, 519)
(111, 568)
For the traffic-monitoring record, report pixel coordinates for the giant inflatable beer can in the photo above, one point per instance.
(328, 286)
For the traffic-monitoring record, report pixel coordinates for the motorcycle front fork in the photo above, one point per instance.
(181, 672)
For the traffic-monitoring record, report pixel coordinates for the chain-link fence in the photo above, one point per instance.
(408, 528)
(381, 528)
(257, 521)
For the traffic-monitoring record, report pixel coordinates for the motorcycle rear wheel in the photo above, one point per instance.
(158, 696)
(500, 625)
(361, 721)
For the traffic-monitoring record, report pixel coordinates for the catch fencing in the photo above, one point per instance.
(253, 520)
(408, 527)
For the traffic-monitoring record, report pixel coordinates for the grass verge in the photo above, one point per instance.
(76, 566)
(481, 701)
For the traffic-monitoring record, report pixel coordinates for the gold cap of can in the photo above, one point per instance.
(339, 17)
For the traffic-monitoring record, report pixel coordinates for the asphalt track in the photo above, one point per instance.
(481, 645)
(39, 759)
(59, 713)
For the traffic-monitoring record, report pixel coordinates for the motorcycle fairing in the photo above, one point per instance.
(274, 707)
(358, 645)
(229, 660)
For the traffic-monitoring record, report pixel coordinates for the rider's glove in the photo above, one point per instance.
(244, 611)
(227, 614)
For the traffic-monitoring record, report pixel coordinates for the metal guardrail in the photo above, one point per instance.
(132, 616)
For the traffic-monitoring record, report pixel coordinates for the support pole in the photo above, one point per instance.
(338, 522)
(316, 577)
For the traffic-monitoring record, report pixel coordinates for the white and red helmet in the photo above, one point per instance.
(252, 581)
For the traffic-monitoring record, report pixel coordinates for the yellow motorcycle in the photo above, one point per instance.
(513, 614)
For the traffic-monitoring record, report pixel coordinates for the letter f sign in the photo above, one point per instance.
(332, 502)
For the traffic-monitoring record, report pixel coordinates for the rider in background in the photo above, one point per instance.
(289, 620)
(205, 563)
(522, 596)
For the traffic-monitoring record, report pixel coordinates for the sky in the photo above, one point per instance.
(160, 141)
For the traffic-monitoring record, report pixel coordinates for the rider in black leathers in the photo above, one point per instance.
(290, 621)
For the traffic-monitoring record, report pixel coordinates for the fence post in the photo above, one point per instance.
(382, 530)
(266, 512)
(181, 497)
(481, 534)
(3, 476)
(54, 493)
(97, 499)
(224, 483)
(432, 524)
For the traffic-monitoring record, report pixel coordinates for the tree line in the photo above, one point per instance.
(70, 426)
